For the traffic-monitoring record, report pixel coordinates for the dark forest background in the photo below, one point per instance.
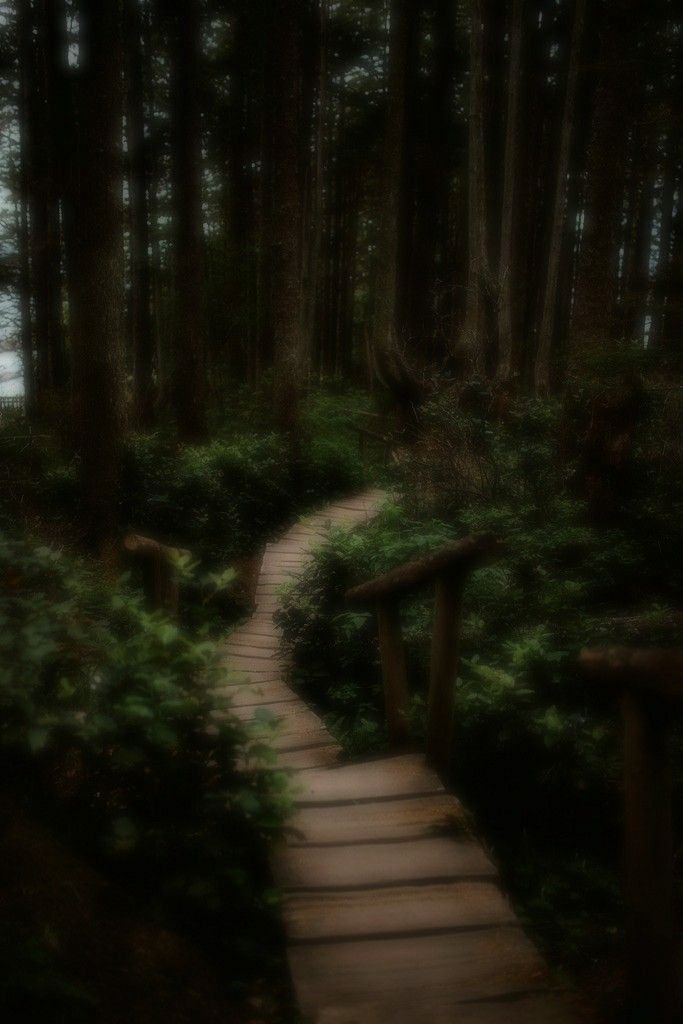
(256, 254)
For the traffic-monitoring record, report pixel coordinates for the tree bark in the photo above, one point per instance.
(189, 363)
(98, 284)
(286, 213)
(26, 320)
(480, 284)
(595, 323)
(509, 268)
(138, 190)
(387, 330)
(548, 322)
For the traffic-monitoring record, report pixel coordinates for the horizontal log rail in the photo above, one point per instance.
(647, 682)
(447, 570)
(458, 558)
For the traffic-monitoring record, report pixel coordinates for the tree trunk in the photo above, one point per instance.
(595, 322)
(55, 60)
(98, 284)
(509, 269)
(138, 190)
(26, 320)
(189, 344)
(480, 285)
(387, 331)
(548, 322)
(286, 213)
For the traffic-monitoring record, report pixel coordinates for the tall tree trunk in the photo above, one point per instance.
(549, 311)
(138, 190)
(286, 212)
(667, 200)
(55, 62)
(595, 325)
(98, 285)
(480, 284)
(26, 319)
(189, 390)
(387, 330)
(509, 268)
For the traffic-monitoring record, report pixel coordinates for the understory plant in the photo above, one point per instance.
(116, 733)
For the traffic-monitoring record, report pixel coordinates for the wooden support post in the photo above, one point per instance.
(444, 667)
(159, 576)
(648, 854)
(394, 675)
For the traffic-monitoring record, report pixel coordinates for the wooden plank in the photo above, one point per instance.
(287, 712)
(375, 864)
(246, 650)
(406, 775)
(253, 666)
(402, 974)
(311, 757)
(291, 717)
(266, 639)
(374, 821)
(541, 1009)
(404, 910)
(301, 740)
(266, 693)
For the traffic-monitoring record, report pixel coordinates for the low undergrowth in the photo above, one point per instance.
(115, 736)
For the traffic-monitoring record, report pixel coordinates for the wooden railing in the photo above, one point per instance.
(448, 570)
(649, 686)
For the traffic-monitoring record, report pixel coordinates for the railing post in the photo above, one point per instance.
(444, 666)
(394, 675)
(648, 855)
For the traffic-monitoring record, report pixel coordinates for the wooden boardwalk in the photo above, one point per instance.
(392, 908)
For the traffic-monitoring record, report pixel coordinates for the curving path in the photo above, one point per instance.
(392, 909)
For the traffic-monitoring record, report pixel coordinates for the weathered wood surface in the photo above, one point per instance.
(392, 908)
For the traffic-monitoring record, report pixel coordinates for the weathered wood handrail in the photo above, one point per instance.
(647, 682)
(447, 569)
(157, 564)
(456, 558)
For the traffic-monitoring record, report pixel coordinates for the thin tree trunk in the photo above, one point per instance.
(595, 321)
(138, 189)
(55, 58)
(509, 276)
(286, 213)
(548, 322)
(387, 331)
(667, 199)
(189, 384)
(26, 321)
(480, 298)
(98, 285)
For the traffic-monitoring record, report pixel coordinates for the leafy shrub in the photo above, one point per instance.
(114, 731)
(222, 497)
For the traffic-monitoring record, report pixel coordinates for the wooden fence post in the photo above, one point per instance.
(158, 570)
(444, 667)
(648, 855)
(394, 675)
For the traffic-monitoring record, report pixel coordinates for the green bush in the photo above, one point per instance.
(221, 498)
(113, 731)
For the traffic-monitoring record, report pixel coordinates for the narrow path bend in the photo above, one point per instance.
(392, 909)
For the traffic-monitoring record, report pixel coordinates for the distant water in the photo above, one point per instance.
(11, 375)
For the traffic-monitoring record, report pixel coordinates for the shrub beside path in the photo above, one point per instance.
(392, 908)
